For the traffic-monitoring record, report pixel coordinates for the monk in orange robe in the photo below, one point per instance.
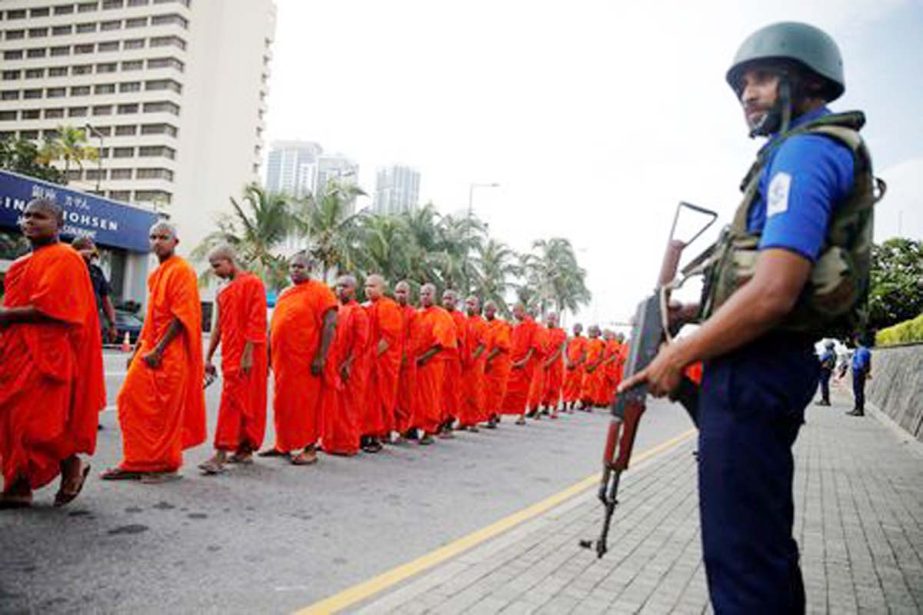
(472, 408)
(300, 334)
(454, 361)
(346, 375)
(386, 348)
(433, 345)
(407, 378)
(523, 347)
(594, 381)
(574, 360)
(537, 385)
(51, 367)
(553, 366)
(162, 403)
(241, 332)
(610, 368)
(497, 363)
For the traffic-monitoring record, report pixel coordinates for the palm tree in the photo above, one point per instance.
(386, 246)
(497, 266)
(68, 144)
(421, 228)
(331, 228)
(556, 276)
(257, 229)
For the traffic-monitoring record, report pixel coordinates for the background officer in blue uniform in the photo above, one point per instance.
(861, 371)
(827, 363)
(760, 373)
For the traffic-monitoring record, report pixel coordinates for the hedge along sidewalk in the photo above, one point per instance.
(907, 332)
(896, 386)
(859, 524)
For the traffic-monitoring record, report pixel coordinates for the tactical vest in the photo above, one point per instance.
(834, 301)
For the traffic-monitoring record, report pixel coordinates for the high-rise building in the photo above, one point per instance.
(397, 189)
(291, 167)
(171, 91)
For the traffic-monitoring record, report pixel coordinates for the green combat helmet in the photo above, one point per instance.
(789, 44)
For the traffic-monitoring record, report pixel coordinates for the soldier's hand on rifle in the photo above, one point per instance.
(663, 375)
(678, 314)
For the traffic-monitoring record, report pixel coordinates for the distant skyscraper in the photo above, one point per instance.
(292, 167)
(397, 189)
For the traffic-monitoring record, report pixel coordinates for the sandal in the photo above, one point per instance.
(304, 458)
(243, 459)
(119, 474)
(521, 421)
(212, 468)
(271, 452)
(63, 497)
(14, 502)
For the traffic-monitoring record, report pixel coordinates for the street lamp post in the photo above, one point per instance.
(99, 156)
(471, 188)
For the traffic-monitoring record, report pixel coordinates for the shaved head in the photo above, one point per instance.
(223, 261)
(162, 226)
(42, 221)
(49, 206)
(375, 287)
(402, 292)
(163, 239)
(427, 295)
(223, 251)
(346, 288)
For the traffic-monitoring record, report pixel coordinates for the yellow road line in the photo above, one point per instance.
(366, 589)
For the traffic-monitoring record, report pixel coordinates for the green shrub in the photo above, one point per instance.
(901, 333)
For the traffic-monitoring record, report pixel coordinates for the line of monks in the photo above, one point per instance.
(345, 376)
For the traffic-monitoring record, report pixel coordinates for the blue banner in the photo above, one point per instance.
(109, 223)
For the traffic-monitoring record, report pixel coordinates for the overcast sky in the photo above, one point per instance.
(595, 117)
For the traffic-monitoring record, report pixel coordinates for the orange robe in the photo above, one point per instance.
(573, 378)
(51, 374)
(407, 379)
(294, 339)
(537, 385)
(242, 319)
(344, 401)
(612, 354)
(554, 373)
(162, 410)
(434, 326)
(694, 372)
(386, 322)
(497, 372)
(594, 382)
(452, 379)
(472, 408)
(522, 340)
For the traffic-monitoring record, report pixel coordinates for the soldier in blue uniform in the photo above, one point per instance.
(861, 371)
(827, 363)
(791, 268)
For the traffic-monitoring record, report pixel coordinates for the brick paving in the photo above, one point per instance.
(859, 523)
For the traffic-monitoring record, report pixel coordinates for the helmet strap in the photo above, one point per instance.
(779, 117)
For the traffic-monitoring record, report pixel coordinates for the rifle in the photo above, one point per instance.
(648, 331)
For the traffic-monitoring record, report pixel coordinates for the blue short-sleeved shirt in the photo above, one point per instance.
(861, 359)
(803, 181)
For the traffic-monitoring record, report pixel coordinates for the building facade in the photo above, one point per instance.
(291, 167)
(172, 92)
(397, 189)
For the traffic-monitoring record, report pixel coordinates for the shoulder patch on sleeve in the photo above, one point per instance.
(779, 187)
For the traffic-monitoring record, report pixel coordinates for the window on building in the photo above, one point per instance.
(86, 27)
(104, 88)
(96, 174)
(80, 90)
(167, 41)
(12, 54)
(57, 71)
(106, 67)
(108, 46)
(123, 152)
(16, 14)
(39, 52)
(132, 64)
(127, 109)
(135, 43)
(113, 4)
(28, 134)
(121, 173)
(102, 110)
(84, 48)
(163, 84)
(108, 26)
(35, 73)
(77, 112)
(62, 30)
(40, 12)
(11, 75)
(159, 129)
(31, 114)
(165, 63)
(8, 116)
(126, 130)
(138, 2)
(105, 131)
(38, 32)
(152, 196)
(54, 114)
(136, 22)
(9, 95)
(171, 19)
(87, 7)
(32, 94)
(50, 133)
(153, 151)
(166, 174)
(130, 86)
(74, 174)
(162, 106)
(64, 9)
(120, 195)
(15, 35)
(83, 69)
(63, 50)
(56, 92)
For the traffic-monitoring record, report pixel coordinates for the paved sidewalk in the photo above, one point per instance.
(859, 523)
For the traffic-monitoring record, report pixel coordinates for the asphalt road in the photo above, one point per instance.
(272, 537)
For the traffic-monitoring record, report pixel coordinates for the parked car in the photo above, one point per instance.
(126, 321)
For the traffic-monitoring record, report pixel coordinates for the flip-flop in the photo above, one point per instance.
(243, 460)
(62, 498)
(209, 468)
(300, 460)
(13, 504)
(119, 474)
(271, 452)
